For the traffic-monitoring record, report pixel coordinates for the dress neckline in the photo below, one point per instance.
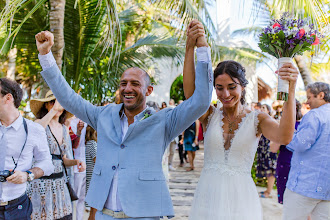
(235, 131)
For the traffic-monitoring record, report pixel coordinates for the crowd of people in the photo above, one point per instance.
(43, 163)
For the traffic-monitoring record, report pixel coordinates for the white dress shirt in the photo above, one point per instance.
(113, 201)
(36, 150)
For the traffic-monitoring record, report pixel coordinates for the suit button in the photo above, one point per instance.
(122, 146)
(113, 167)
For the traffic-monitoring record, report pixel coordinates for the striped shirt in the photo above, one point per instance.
(91, 149)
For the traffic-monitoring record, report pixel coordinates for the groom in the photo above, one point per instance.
(128, 181)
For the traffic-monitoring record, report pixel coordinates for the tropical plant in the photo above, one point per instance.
(102, 38)
(176, 92)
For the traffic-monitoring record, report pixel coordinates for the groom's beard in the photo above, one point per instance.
(139, 100)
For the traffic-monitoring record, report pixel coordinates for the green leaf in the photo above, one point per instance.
(281, 36)
(296, 49)
(278, 48)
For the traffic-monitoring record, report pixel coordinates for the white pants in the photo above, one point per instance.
(80, 189)
(298, 207)
(171, 151)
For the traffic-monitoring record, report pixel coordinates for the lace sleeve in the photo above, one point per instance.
(256, 122)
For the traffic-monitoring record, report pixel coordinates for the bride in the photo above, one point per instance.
(226, 190)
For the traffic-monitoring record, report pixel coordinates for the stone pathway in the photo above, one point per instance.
(183, 184)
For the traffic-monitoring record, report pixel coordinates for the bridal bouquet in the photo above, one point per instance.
(283, 39)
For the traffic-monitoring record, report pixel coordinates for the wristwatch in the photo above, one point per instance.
(30, 176)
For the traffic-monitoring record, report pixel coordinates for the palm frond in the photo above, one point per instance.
(314, 9)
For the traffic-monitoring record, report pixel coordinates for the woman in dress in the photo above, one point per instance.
(49, 195)
(190, 141)
(91, 149)
(226, 189)
(284, 159)
(266, 160)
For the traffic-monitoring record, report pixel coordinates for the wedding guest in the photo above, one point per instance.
(256, 106)
(284, 159)
(171, 103)
(164, 105)
(278, 107)
(153, 105)
(182, 154)
(91, 149)
(305, 108)
(190, 141)
(173, 144)
(79, 128)
(49, 194)
(23, 143)
(266, 160)
(308, 188)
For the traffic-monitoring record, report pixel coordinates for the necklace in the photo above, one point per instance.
(232, 123)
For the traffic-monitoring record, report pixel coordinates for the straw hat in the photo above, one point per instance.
(36, 104)
(277, 104)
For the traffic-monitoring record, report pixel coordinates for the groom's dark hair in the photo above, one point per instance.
(234, 70)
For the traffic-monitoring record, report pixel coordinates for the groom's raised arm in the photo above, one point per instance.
(66, 96)
(190, 110)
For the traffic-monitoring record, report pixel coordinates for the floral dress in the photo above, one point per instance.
(266, 160)
(50, 196)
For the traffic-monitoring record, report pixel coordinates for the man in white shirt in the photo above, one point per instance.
(79, 128)
(21, 140)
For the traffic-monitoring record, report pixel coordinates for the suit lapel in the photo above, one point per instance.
(129, 131)
(116, 120)
(131, 127)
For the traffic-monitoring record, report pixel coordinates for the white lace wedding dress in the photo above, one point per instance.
(226, 190)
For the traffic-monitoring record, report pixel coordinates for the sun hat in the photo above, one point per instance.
(36, 104)
(277, 104)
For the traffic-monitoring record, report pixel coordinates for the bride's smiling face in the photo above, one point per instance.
(228, 90)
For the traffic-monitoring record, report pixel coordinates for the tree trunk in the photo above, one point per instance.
(304, 70)
(56, 20)
(12, 63)
(56, 23)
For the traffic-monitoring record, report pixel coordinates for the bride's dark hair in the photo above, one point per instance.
(234, 70)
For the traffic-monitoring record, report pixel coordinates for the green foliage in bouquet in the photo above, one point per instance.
(287, 37)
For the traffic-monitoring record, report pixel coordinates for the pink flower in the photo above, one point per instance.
(316, 41)
(276, 25)
(301, 33)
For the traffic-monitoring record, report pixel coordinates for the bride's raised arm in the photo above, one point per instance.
(282, 133)
(195, 37)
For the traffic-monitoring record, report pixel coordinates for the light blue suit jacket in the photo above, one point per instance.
(141, 183)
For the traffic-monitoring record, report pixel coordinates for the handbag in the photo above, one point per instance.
(72, 193)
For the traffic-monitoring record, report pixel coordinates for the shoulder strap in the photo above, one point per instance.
(66, 173)
(27, 132)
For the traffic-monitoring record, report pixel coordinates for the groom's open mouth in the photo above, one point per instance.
(129, 96)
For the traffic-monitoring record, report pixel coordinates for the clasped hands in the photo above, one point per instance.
(196, 35)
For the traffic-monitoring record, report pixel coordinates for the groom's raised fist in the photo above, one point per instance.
(44, 41)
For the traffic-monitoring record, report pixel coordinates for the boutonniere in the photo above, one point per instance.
(147, 114)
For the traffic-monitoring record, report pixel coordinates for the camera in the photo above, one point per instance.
(4, 174)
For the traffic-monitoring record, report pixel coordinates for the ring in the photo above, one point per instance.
(291, 75)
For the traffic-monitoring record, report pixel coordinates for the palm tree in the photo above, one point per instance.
(102, 38)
